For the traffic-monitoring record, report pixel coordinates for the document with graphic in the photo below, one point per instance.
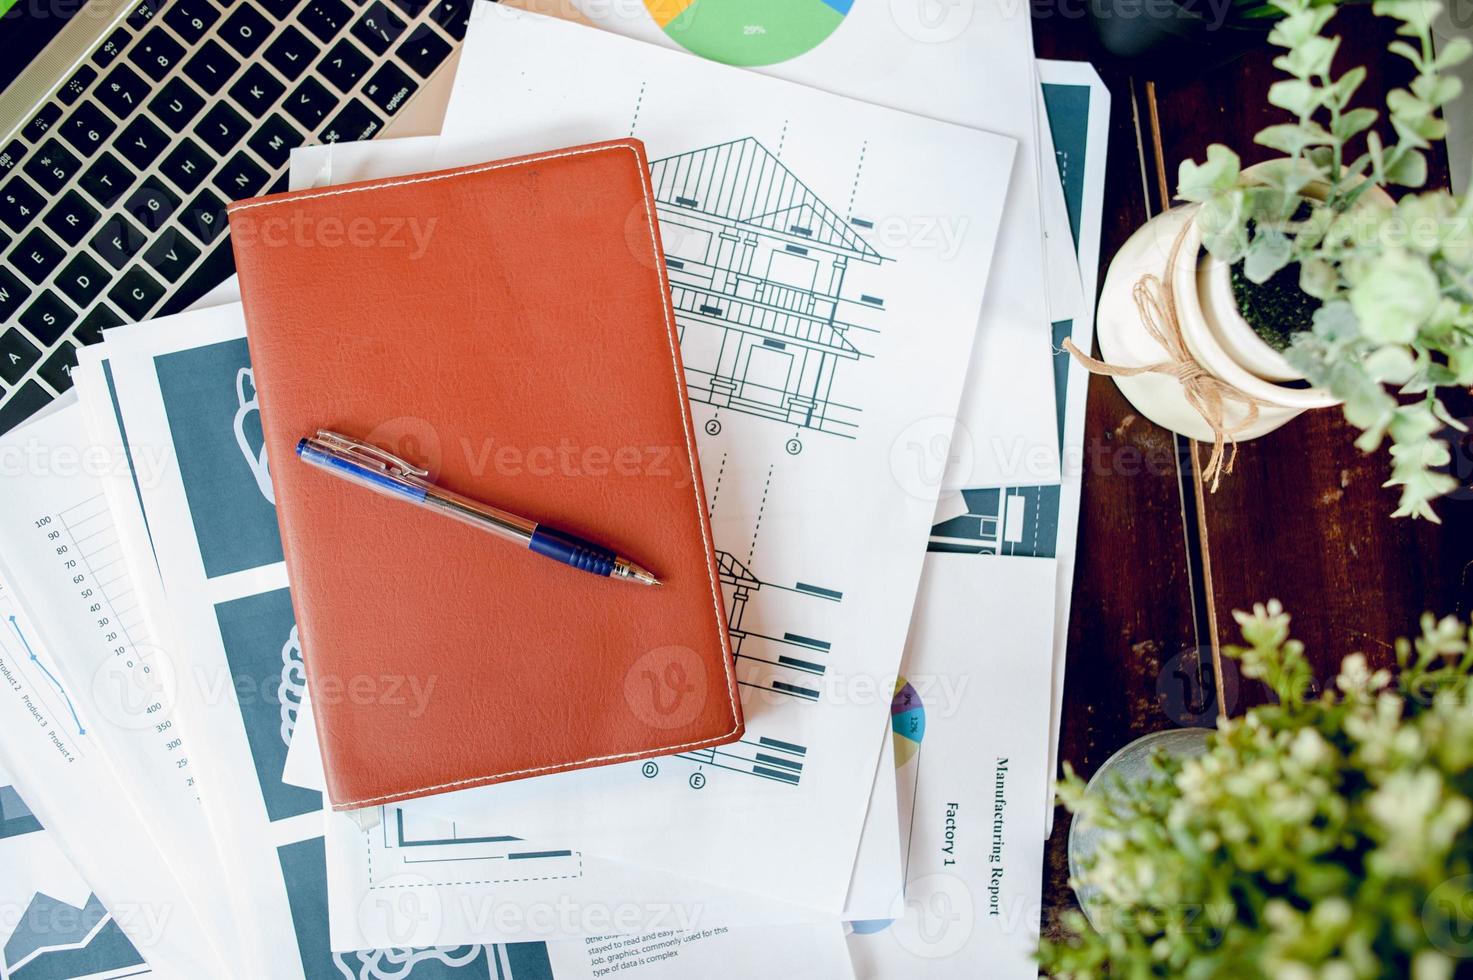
(970, 724)
(969, 63)
(825, 325)
(55, 925)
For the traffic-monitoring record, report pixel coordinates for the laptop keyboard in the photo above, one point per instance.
(112, 197)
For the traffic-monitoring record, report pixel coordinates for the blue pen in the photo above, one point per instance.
(369, 466)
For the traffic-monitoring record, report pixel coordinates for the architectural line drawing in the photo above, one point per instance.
(758, 266)
(773, 663)
(247, 404)
(1021, 521)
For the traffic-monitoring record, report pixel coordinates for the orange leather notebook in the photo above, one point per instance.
(507, 326)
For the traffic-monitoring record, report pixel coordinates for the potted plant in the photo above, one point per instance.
(1322, 836)
(1300, 283)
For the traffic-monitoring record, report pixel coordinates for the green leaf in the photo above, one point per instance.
(1296, 95)
(1414, 14)
(1437, 90)
(1292, 139)
(1452, 52)
(1408, 52)
(1409, 169)
(1398, 293)
(1268, 252)
(1353, 122)
(1217, 174)
(1311, 57)
(1391, 365)
(1319, 279)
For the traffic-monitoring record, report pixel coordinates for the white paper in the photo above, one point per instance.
(1081, 75)
(718, 953)
(965, 62)
(54, 925)
(53, 746)
(973, 780)
(816, 515)
(878, 874)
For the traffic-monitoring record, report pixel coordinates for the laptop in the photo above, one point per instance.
(126, 126)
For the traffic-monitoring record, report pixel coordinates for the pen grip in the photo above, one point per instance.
(572, 550)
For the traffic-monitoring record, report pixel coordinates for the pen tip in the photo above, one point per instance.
(624, 568)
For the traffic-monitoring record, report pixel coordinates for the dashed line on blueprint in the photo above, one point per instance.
(859, 169)
(716, 489)
(762, 507)
(638, 103)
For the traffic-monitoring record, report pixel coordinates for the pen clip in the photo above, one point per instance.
(367, 452)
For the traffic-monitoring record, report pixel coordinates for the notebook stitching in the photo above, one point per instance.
(685, 431)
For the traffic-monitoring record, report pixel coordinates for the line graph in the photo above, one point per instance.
(60, 688)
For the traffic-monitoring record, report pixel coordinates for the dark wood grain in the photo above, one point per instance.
(1304, 517)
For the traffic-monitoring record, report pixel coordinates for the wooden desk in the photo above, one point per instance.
(1304, 519)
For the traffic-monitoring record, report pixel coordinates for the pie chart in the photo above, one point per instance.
(907, 722)
(748, 32)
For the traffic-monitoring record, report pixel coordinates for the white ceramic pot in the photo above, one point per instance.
(1211, 326)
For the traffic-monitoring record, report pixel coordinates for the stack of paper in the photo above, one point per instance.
(937, 191)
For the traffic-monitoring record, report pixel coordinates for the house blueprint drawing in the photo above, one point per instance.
(825, 320)
(757, 264)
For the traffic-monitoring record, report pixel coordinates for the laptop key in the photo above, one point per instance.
(89, 331)
(23, 402)
(222, 127)
(57, 369)
(424, 51)
(151, 204)
(325, 18)
(82, 279)
(172, 255)
(136, 293)
(256, 91)
(19, 203)
(141, 142)
(17, 354)
(175, 105)
(389, 88)
(13, 292)
(87, 128)
(76, 86)
(118, 240)
(109, 50)
(71, 218)
(187, 165)
(205, 217)
(107, 179)
(355, 122)
(52, 166)
(144, 13)
(240, 178)
(379, 27)
(191, 18)
(453, 15)
(245, 30)
(10, 156)
(156, 54)
(344, 65)
(291, 53)
(47, 317)
(36, 255)
(122, 91)
(274, 141)
(310, 102)
(42, 122)
(211, 66)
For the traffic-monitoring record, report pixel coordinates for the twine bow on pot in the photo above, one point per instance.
(1208, 394)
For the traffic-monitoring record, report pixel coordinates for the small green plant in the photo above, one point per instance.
(1322, 836)
(1391, 284)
